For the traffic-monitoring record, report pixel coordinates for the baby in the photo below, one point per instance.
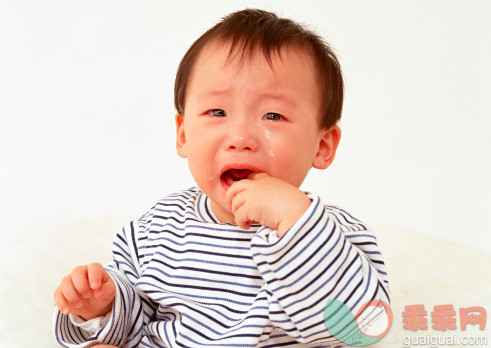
(245, 258)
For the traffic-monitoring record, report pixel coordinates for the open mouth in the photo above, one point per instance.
(232, 175)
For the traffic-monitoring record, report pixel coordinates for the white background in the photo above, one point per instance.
(86, 109)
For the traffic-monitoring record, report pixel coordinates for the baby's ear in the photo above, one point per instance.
(328, 144)
(180, 137)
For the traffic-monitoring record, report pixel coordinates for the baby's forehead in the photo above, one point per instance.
(285, 77)
(240, 54)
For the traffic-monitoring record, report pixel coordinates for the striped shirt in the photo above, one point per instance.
(186, 280)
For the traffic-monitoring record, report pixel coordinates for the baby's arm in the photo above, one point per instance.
(88, 291)
(323, 254)
(127, 310)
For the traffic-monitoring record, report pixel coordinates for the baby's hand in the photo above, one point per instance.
(88, 292)
(272, 202)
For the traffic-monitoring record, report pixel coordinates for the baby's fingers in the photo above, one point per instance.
(96, 275)
(236, 188)
(107, 292)
(238, 201)
(241, 217)
(80, 281)
(70, 293)
(100, 281)
(61, 302)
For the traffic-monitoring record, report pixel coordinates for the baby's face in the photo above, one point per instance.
(248, 117)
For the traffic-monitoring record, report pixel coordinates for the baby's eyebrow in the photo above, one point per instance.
(215, 93)
(279, 96)
(265, 96)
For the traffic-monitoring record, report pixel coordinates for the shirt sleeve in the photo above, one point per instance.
(92, 325)
(327, 254)
(131, 311)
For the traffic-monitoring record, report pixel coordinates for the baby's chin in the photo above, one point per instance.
(223, 214)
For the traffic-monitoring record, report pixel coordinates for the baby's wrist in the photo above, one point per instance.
(99, 313)
(293, 215)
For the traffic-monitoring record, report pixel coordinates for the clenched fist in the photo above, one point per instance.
(87, 291)
(272, 202)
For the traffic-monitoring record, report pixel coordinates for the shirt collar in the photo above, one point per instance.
(203, 209)
(205, 213)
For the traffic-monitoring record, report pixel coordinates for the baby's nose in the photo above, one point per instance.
(242, 138)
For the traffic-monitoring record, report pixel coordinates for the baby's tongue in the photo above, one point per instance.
(239, 174)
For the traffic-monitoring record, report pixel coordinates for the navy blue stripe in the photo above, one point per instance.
(231, 273)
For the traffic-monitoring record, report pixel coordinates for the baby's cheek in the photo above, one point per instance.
(283, 171)
(292, 167)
